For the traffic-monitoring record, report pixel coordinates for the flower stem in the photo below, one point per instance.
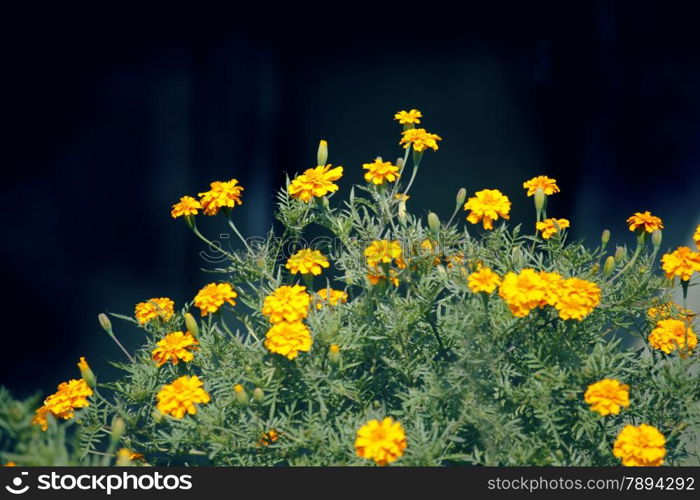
(235, 230)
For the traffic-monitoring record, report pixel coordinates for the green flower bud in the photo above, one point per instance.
(434, 223)
(241, 394)
(157, 416)
(105, 323)
(461, 196)
(322, 156)
(118, 428)
(609, 266)
(540, 199)
(656, 238)
(258, 395)
(334, 354)
(86, 373)
(605, 237)
(620, 253)
(191, 325)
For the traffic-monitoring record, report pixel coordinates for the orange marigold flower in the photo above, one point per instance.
(269, 437)
(420, 139)
(671, 334)
(288, 339)
(642, 446)
(546, 184)
(70, 396)
(181, 396)
(287, 303)
(384, 442)
(696, 237)
(379, 172)
(669, 310)
(487, 206)
(645, 222)
(551, 283)
(330, 297)
(221, 195)
(161, 308)
(175, 347)
(607, 396)
(682, 262)
(483, 280)
(522, 292)
(210, 298)
(315, 182)
(186, 206)
(576, 298)
(408, 117)
(307, 261)
(10, 464)
(549, 227)
(382, 251)
(375, 277)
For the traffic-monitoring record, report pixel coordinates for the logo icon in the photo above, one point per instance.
(17, 482)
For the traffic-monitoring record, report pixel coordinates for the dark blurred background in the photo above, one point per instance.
(111, 115)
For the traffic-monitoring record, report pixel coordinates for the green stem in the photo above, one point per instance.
(211, 244)
(240, 236)
(638, 250)
(113, 337)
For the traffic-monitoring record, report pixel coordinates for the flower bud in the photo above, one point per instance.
(461, 196)
(322, 156)
(605, 237)
(191, 325)
(609, 266)
(157, 416)
(123, 458)
(105, 323)
(620, 253)
(434, 223)
(656, 238)
(118, 428)
(86, 373)
(399, 163)
(258, 395)
(241, 395)
(334, 354)
(540, 199)
(441, 270)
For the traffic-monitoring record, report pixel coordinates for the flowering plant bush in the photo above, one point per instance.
(394, 340)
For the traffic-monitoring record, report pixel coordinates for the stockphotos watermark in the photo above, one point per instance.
(98, 482)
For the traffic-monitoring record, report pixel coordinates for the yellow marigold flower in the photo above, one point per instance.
(696, 237)
(546, 184)
(315, 182)
(210, 298)
(269, 437)
(179, 397)
(576, 298)
(186, 206)
(607, 396)
(402, 197)
(136, 457)
(551, 283)
(427, 247)
(70, 396)
(10, 464)
(420, 139)
(384, 442)
(175, 347)
(669, 310)
(332, 297)
(408, 117)
(287, 303)
(380, 171)
(642, 446)
(681, 262)
(549, 227)
(483, 280)
(522, 292)
(645, 221)
(83, 364)
(382, 251)
(375, 277)
(307, 261)
(487, 205)
(161, 308)
(454, 260)
(221, 195)
(288, 339)
(670, 334)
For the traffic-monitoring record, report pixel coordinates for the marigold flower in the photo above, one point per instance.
(210, 298)
(487, 206)
(549, 227)
(551, 283)
(522, 292)
(175, 347)
(408, 117)
(330, 297)
(375, 277)
(161, 308)
(429, 247)
(670, 334)
(546, 184)
(269, 437)
(287, 303)
(70, 396)
(307, 261)
(682, 262)
(288, 339)
(186, 206)
(645, 222)
(696, 237)
(384, 442)
(315, 182)
(179, 397)
(669, 310)
(607, 396)
(420, 139)
(221, 195)
(483, 280)
(379, 172)
(9, 464)
(382, 251)
(402, 197)
(576, 298)
(642, 446)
